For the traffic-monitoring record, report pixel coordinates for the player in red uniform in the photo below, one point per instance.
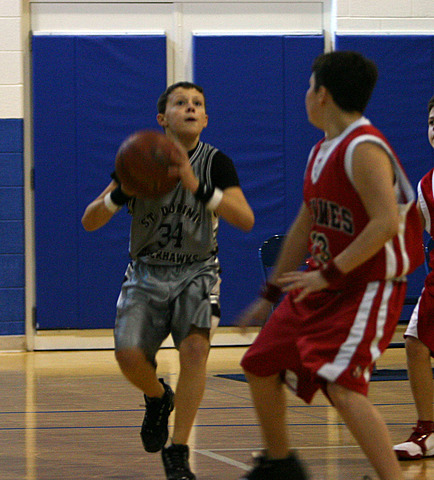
(419, 336)
(359, 222)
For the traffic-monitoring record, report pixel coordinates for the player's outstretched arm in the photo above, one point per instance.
(235, 209)
(99, 211)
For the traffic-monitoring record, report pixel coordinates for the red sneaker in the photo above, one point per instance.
(419, 445)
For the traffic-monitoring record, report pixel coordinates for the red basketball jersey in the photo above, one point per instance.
(426, 200)
(339, 216)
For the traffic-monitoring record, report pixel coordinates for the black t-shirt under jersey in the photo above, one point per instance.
(223, 173)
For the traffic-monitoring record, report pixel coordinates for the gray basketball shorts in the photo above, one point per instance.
(158, 300)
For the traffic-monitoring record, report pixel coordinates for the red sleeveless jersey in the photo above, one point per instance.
(338, 215)
(426, 200)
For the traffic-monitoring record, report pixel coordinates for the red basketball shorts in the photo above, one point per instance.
(328, 337)
(421, 323)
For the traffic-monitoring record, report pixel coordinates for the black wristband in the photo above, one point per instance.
(204, 192)
(271, 292)
(119, 197)
(331, 273)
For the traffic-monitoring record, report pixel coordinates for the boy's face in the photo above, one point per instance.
(431, 127)
(185, 113)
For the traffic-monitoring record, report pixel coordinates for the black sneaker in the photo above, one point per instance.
(289, 468)
(154, 430)
(175, 460)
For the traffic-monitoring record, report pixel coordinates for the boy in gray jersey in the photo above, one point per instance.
(172, 283)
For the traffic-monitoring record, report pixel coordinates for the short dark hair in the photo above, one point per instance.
(348, 76)
(162, 101)
(431, 104)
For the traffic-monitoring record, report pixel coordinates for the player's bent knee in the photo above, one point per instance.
(124, 357)
(128, 359)
(195, 348)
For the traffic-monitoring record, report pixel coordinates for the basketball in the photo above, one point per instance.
(142, 163)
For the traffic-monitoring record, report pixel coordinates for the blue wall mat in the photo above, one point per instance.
(11, 306)
(55, 163)
(12, 328)
(399, 103)
(12, 268)
(90, 92)
(11, 135)
(12, 237)
(11, 203)
(11, 167)
(12, 309)
(258, 119)
(300, 135)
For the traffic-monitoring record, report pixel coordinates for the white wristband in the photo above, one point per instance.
(215, 200)
(110, 204)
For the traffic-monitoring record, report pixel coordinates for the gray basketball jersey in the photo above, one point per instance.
(176, 228)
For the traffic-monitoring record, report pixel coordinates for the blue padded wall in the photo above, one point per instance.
(12, 307)
(399, 103)
(90, 92)
(255, 100)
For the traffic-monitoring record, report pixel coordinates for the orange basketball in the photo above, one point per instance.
(142, 163)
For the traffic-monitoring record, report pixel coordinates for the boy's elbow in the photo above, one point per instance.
(251, 224)
(248, 223)
(88, 225)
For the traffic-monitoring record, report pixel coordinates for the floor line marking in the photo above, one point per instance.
(257, 449)
(224, 459)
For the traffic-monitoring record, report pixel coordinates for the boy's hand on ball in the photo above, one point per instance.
(180, 167)
(142, 163)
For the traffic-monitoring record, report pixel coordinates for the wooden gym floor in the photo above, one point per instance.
(71, 415)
